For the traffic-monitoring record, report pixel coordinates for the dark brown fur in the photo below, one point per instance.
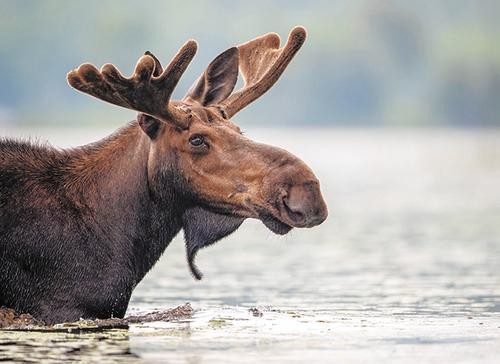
(79, 228)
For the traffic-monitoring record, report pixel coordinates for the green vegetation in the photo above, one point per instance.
(365, 62)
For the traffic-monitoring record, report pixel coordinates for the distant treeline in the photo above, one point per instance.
(365, 62)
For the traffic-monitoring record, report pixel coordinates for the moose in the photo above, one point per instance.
(81, 227)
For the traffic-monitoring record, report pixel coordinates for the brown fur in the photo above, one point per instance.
(230, 159)
(79, 228)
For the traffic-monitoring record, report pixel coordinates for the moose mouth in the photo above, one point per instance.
(275, 225)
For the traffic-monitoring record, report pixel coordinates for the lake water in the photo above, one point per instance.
(406, 268)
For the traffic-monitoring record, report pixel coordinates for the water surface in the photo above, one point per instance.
(406, 268)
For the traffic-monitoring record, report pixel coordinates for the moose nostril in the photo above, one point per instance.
(295, 211)
(304, 206)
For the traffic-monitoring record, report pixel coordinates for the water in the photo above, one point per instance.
(404, 269)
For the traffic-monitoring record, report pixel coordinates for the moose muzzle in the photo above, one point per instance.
(303, 205)
(293, 194)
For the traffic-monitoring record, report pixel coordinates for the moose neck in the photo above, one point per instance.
(112, 183)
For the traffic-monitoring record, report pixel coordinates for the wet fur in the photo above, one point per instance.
(74, 238)
(80, 228)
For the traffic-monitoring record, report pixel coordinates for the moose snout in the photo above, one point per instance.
(304, 206)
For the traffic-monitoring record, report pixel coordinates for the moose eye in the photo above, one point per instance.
(196, 140)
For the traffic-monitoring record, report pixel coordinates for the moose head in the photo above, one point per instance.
(223, 176)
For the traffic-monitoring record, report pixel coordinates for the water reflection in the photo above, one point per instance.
(107, 347)
(407, 262)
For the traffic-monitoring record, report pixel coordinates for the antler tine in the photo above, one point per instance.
(158, 68)
(261, 63)
(148, 90)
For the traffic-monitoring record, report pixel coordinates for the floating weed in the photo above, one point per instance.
(10, 321)
(218, 322)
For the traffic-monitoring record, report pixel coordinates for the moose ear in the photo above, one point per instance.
(218, 80)
(149, 124)
(203, 228)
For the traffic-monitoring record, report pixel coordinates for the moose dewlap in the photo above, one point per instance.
(80, 228)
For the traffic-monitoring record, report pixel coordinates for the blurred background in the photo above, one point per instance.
(395, 105)
(372, 62)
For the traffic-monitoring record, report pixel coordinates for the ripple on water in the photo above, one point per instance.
(405, 268)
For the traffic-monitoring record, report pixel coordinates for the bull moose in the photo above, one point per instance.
(81, 227)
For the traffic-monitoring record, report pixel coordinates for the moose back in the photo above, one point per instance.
(80, 228)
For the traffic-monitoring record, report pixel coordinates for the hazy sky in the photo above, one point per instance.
(364, 62)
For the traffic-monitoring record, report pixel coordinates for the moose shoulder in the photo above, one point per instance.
(80, 228)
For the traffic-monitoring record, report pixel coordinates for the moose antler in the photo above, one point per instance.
(148, 90)
(261, 63)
